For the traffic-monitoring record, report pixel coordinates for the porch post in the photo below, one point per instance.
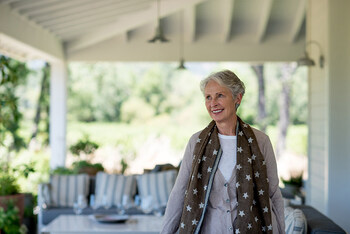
(58, 110)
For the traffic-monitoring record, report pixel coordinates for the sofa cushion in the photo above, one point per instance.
(65, 189)
(113, 187)
(158, 185)
(295, 221)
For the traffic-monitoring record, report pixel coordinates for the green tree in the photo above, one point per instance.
(13, 74)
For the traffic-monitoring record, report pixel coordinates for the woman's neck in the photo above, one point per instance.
(228, 128)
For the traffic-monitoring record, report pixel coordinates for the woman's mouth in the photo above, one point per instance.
(217, 111)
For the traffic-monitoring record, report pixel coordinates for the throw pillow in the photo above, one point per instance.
(110, 189)
(295, 221)
(65, 189)
(157, 185)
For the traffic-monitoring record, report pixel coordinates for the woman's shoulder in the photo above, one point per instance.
(195, 136)
(260, 136)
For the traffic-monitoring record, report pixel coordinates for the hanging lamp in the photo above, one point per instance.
(159, 36)
(181, 47)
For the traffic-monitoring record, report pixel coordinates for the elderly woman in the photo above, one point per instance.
(228, 179)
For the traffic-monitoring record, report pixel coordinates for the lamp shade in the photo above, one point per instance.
(306, 61)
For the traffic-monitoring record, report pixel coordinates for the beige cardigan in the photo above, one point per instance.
(222, 210)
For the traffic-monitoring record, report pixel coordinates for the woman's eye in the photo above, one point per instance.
(208, 97)
(220, 95)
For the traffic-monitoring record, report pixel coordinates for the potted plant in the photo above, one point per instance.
(293, 184)
(10, 198)
(84, 149)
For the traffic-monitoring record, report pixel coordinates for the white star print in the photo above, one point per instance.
(215, 152)
(250, 140)
(194, 222)
(239, 166)
(256, 219)
(263, 229)
(209, 169)
(241, 213)
(264, 163)
(237, 184)
(185, 192)
(261, 192)
(239, 149)
(205, 187)
(195, 191)
(269, 227)
(254, 202)
(257, 174)
(250, 160)
(189, 208)
(199, 161)
(245, 125)
(201, 206)
(248, 177)
(204, 158)
(209, 133)
(267, 180)
(240, 133)
(266, 209)
(253, 157)
(198, 140)
(182, 225)
(199, 176)
(249, 226)
(245, 195)
(237, 231)
(209, 141)
(194, 156)
(192, 177)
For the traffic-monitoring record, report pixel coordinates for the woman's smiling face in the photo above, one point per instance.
(219, 102)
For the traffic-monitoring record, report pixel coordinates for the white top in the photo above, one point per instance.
(229, 155)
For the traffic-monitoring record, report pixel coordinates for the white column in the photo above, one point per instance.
(58, 110)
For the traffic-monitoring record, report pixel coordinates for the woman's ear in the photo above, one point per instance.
(239, 98)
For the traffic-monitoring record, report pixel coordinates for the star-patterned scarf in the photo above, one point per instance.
(253, 210)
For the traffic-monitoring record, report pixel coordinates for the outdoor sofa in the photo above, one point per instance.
(57, 197)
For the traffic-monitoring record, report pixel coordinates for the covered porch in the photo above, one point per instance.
(227, 30)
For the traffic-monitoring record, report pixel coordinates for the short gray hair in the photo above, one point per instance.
(227, 79)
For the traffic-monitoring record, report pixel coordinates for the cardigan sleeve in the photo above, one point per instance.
(176, 199)
(274, 190)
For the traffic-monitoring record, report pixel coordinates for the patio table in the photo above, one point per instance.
(83, 224)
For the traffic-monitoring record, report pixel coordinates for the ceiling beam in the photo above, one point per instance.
(226, 15)
(24, 4)
(298, 21)
(114, 50)
(189, 26)
(21, 33)
(51, 7)
(266, 7)
(127, 22)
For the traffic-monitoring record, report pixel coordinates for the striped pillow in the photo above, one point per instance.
(65, 189)
(114, 186)
(295, 221)
(158, 185)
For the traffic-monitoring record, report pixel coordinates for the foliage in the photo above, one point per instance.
(13, 74)
(9, 220)
(8, 184)
(78, 165)
(84, 146)
(63, 171)
(294, 180)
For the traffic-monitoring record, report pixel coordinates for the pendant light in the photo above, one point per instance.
(159, 36)
(181, 47)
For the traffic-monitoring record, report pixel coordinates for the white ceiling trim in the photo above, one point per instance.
(227, 15)
(263, 22)
(298, 21)
(125, 23)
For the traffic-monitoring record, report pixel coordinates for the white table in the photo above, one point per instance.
(83, 224)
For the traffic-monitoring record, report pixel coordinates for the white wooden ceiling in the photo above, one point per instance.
(226, 30)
